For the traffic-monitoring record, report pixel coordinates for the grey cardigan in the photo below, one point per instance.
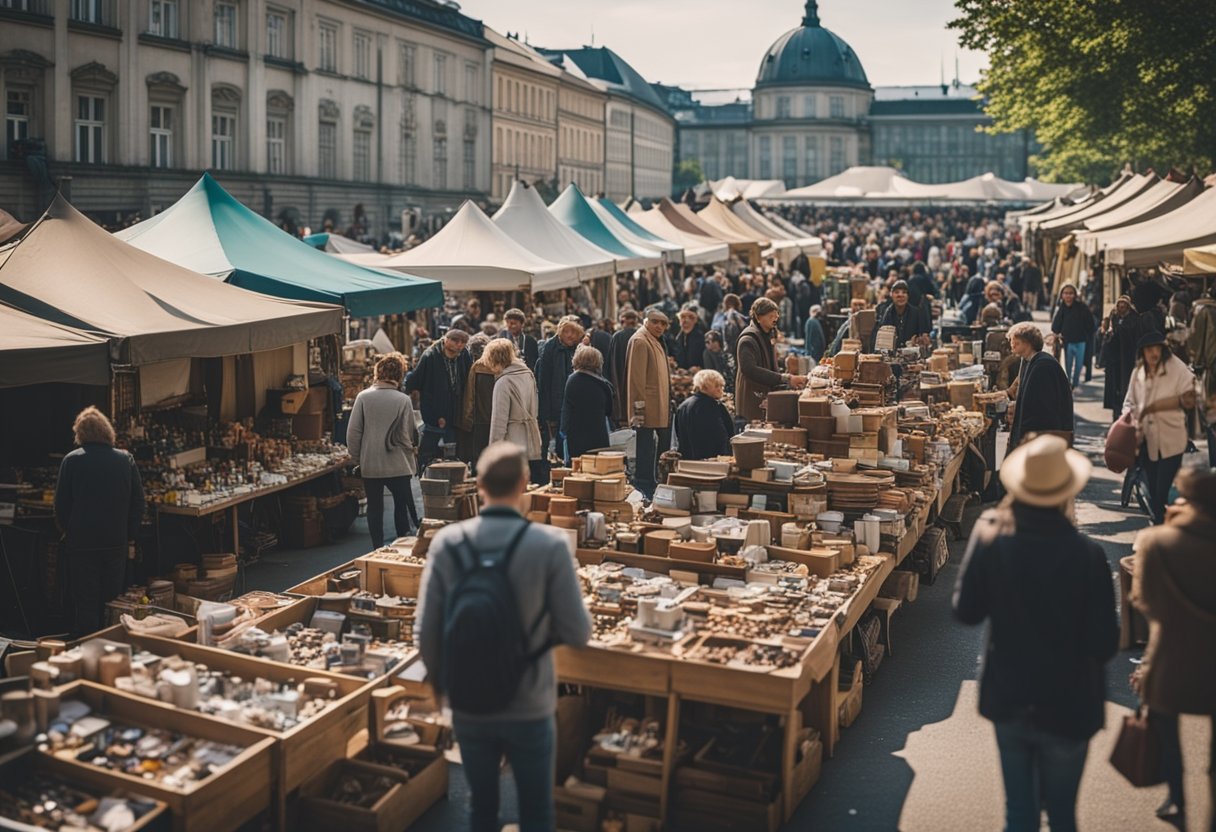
(542, 574)
(382, 435)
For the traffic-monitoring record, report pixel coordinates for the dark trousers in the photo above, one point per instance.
(1160, 476)
(530, 748)
(428, 445)
(650, 444)
(1040, 770)
(404, 510)
(95, 576)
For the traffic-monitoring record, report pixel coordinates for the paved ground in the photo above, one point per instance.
(919, 757)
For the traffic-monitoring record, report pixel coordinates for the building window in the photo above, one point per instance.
(17, 111)
(160, 123)
(362, 155)
(766, 157)
(836, 106)
(406, 74)
(440, 163)
(809, 106)
(327, 48)
(87, 11)
(470, 163)
(327, 150)
(441, 74)
(812, 158)
(90, 129)
(225, 25)
(789, 159)
(223, 141)
(278, 34)
(363, 55)
(471, 84)
(276, 145)
(409, 158)
(836, 157)
(162, 18)
(783, 106)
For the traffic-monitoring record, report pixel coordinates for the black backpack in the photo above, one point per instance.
(485, 646)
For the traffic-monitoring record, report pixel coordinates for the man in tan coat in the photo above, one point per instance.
(648, 392)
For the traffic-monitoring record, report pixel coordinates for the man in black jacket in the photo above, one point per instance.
(99, 505)
(439, 381)
(615, 365)
(525, 345)
(703, 425)
(911, 322)
(1046, 593)
(687, 345)
(553, 368)
(1043, 394)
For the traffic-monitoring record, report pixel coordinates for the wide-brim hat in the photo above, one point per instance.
(1150, 339)
(1045, 472)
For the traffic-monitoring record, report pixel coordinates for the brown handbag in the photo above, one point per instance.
(1137, 754)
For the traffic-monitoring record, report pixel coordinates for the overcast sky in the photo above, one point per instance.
(707, 44)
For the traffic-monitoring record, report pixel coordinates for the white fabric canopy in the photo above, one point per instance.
(1164, 237)
(1161, 198)
(745, 212)
(729, 189)
(881, 182)
(524, 217)
(1134, 187)
(672, 251)
(472, 254)
(698, 250)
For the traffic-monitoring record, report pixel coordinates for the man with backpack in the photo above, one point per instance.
(498, 594)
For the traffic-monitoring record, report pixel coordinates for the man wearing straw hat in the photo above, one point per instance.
(1047, 595)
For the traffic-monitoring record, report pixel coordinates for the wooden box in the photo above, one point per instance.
(658, 543)
(612, 490)
(790, 436)
(902, 585)
(388, 814)
(782, 407)
(579, 486)
(223, 801)
(814, 406)
(819, 560)
(818, 427)
(608, 462)
(577, 811)
(634, 782)
(776, 519)
(693, 550)
(563, 506)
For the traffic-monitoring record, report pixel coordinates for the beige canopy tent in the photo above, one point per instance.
(35, 351)
(1162, 198)
(1199, 260)
(472, 254)
(1165, 237)
(682, 217)
(70, 271)
(699, 250)
(719, 216)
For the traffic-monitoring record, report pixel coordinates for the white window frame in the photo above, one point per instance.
(164, 19)
(361, 155)
(407, 69)
(440, 82)
(89, 130)
(227, 24)
(327, 46)
(327, 151)
(439, 163)
(87, 11)
(276, 145)
(836, 106)
(279, 42)
(160, 132)
(17, 125)
(363, 56)
(223, 140)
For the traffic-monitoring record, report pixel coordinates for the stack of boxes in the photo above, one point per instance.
(447, 493)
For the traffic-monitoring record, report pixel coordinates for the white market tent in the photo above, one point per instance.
(1162, 198)
(573, 209)
(887, 183)
(729, 189)
(1132, 189)
(524, 217)
(855, 182)
(778, 235)
(472, 254)
(672, 252)
(1165, 237)
(1199, 260)
(699, 250)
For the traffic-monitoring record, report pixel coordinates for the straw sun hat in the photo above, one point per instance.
(1045, 472)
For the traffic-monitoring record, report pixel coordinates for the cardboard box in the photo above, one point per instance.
(578, 810)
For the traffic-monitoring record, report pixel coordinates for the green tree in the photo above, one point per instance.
(687, 174)
(1100, 83)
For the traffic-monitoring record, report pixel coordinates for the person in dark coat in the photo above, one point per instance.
(1032, 285)
(1120, 332)
(439, 381)
(513, 330)
(586, 405)
(973, 299)
(1043, 395)
(703, 425)
(99, 505)
(717, 358)
(756, 373)
(687, 344)
(710, 296)
(1073, 326)
(1046, 593)
(615, 365)
(553, 367)
(910, 321)
(921, 287)
(600, 337)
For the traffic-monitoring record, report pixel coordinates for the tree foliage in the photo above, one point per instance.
(688, 174)
(1100, 83)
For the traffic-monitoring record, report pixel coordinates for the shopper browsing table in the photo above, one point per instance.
(648, 396)
(1160, 390)
(513, 405)
(587, 404)
(757, 373)
(703, 425)
(439, 381)
(1046, 593)
(464, 643)
(99, 504)
(381, 438)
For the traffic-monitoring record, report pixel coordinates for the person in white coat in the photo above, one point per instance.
(1159, 392)
(513, 411)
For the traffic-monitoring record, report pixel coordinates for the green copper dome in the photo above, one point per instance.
(811, 55)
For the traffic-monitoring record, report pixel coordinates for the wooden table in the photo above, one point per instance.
(233, 504)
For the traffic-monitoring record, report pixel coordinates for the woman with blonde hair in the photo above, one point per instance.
(513, 404)
(474, 434)
(99, 505)
(382, 438)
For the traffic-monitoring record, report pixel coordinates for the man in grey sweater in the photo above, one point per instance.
(545, 586)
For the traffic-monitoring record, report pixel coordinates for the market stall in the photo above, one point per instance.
(699, 250)
(573, 209)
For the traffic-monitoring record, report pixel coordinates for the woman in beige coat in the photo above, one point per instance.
(514, 403)
(1175, 587)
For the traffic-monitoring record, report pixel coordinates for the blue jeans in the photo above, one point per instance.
(530, 747)
(1040, 770)
(1074, 362)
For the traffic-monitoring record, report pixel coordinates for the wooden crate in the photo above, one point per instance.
(389, 814)
(428, 779)
(434, 736)
(302, 752)
(223, 801)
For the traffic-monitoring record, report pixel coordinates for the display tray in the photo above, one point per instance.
(223, 801)
(302, 752)
(18, 768)
(377, 575)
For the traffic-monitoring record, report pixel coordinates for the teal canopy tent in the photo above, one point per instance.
(574, 210)
(211, 232)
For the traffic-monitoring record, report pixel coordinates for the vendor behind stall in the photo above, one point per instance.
(911, 322)
(703, 425)
(99, 504)
(757, 360)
